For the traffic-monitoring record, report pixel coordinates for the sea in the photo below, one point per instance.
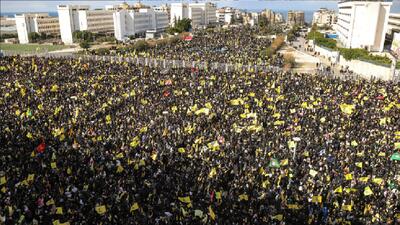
(12, 7)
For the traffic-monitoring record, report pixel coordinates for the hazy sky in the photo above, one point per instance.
(251, 5)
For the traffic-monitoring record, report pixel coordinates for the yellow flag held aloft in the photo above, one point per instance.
(108, 119)
(134, 207)
(181, 150)
(368, 191)
(135, 142)
(313, 173)
(243, 197)
(377, 181)
(54, 88)
(316, 199)
(184, 199)
(278, 217)
(211, 213)
(213, 172)
(348, 176)
(205, 111)
(101, 209)
(50, 202)
(59, 211)
(359, 164)
(119, 169)
(3, 180)
(338, 190)
(218, 195)
(347, 108)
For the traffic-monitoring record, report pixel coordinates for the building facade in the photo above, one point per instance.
(133, 22)
(35, 22)
(201, 14)
(324, 17)
(272, 17)
(7, 25)
(295, 18)
(80, 18)
(393, 24)
(363, 24)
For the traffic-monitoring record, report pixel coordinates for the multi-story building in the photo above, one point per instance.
(7, 25)
(393, 24)
(250, 19)
(79, 18)
(35, 22)
(363, 24)
(225, 15)
(295, 18)
(164, 8)
(128, 22)
(201, 14)
(272, 17)
(324, 17)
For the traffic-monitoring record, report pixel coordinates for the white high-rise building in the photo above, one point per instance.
(35, 22)
(201, 14)
(393, 23)
(324, 17)
(225, 15)
(79, 18)
(363, 24)
(132, 22)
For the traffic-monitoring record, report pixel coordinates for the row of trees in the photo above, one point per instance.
(275, 46)
(183, 25)
(35, 36)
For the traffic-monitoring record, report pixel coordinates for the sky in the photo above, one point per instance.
(8, 6)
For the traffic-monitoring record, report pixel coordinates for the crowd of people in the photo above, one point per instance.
(222, 46)
(90, 142)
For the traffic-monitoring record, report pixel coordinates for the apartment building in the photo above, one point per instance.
(324, 17)
(295, 18)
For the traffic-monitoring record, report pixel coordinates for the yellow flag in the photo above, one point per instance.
(316, 199)
(368, 191)
(284, 162)
(120, 169)
(338, 190)
(154, 156)
(135, 142)
(59, 211)
(243, 197)
(218, 195)
(278, 217)
(377, 181)
(279, 122)
(313, 172)
(347, 208)
(213, 172)
(211, 212)
(184, 199)
(134, 207)
(31, 177)
(347, 108)
(50, 202)
(293, 206)
(363, 179)
(101, 209)
(3, 180)
(205, 111)
(108, 119)
(348, 176)
(53, 165)
(359, 164)
(208, 105)
(181, 150)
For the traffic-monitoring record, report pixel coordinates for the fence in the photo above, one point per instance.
(173, 64)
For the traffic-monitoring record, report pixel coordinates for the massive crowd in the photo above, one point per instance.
(85, 142)
(222, 46)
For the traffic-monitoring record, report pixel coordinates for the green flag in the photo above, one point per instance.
(395, 156)
(274, 163)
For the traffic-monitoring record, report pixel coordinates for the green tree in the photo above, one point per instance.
(84, 44)
(33, 36)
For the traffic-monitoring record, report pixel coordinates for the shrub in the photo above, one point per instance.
(84, 44)
(140, 45)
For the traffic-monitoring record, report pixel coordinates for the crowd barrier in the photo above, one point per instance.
(173, 64)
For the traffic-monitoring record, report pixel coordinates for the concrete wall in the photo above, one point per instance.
(327, 53)
(366, 69)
